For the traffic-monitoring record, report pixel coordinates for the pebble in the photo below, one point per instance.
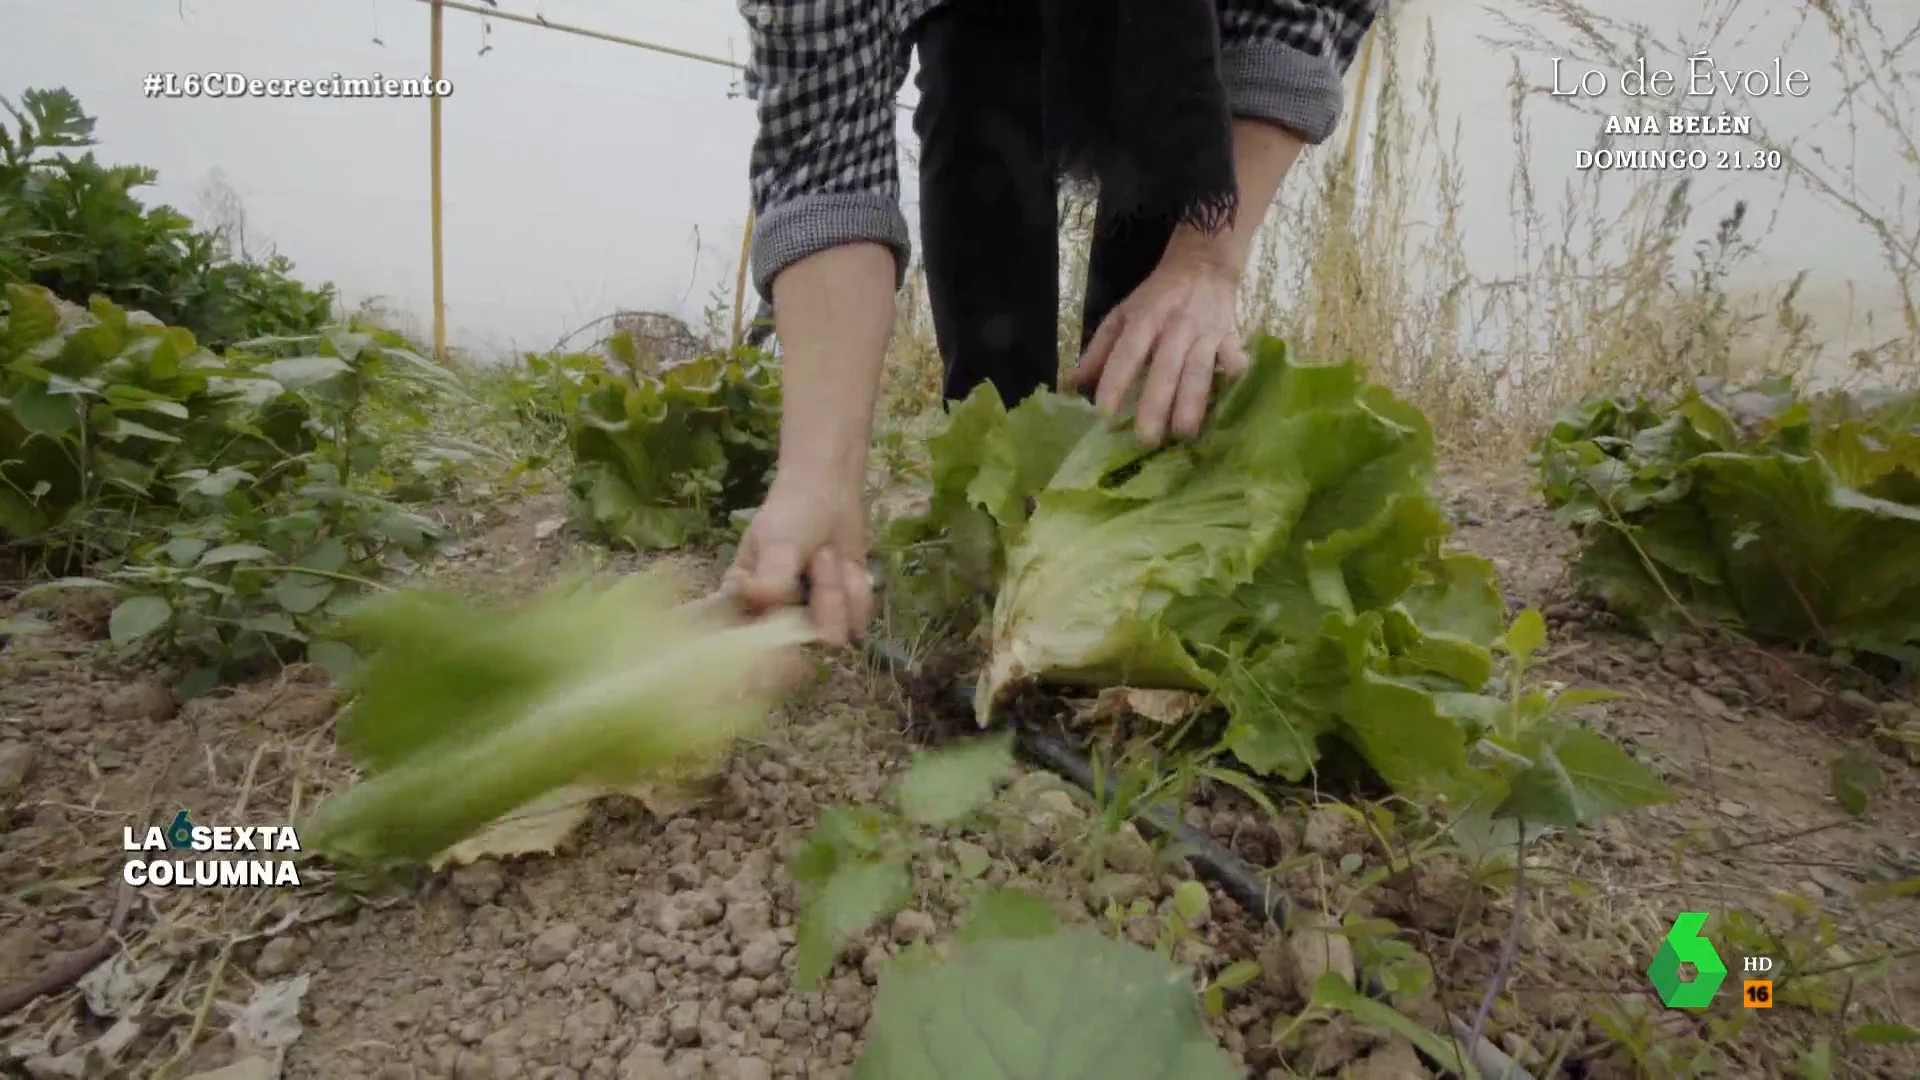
(748, 1068)
(16, 762)
(478, 883)
(1316, 948)
(643, 1062)
(1118, 889)
(635, 990)
(761, 956)
(278, 957)
(147, 701)
(743, 991)
(683, 1023)
(553, 944)
(910, 926)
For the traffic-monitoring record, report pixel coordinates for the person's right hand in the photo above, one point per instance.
(816, 526)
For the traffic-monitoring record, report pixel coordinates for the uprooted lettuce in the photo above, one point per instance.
(1288, 561)
(1795, 517)
(464, 715)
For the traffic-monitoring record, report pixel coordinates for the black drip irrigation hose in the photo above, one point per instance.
(1209, 861)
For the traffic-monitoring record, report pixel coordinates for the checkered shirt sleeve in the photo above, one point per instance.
(825, 168)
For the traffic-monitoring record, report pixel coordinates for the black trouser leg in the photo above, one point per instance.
(988, 226)
(1124, 252)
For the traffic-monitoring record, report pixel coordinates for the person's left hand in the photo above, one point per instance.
(1178, 327)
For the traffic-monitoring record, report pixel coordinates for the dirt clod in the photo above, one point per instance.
(479, 883)
(148, 702)
(16, 762)
(553, 945)
(1316, 946)
(279, 957)
(910, 926)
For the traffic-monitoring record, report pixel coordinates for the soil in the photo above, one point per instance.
(661, 944)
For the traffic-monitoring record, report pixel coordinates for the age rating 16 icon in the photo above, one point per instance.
(1685, 944)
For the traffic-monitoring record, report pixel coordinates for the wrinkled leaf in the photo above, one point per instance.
(137, 617)
(1854, 779)
(1009, 914)
(852, 899)
(945, 785)
(1070, 1005)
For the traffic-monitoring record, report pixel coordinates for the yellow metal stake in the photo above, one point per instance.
(740, 278)
(439, 261)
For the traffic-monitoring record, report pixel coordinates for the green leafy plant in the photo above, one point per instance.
(1792, 517)
(463, 715)
(1289, 562)
(665, 458)
(233, 503)
(855, 869)
(1015, 994)
(105, 409)
(74, 226)
(1067, 1003)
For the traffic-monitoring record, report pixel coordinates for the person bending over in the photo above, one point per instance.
(1186, 114)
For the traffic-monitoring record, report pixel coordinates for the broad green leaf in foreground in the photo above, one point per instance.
(1071, 1006)
(465, 714)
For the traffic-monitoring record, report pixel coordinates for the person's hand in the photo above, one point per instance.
(1178, 328)
(814, 526)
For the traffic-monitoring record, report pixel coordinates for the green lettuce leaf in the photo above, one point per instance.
(663, 458)
(1289, 561)
(1065, 1006)
(463, 715)
(1794, 517)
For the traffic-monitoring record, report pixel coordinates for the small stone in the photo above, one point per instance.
(761, 956)
(478, 883)
(1116, 889)
(279, 957)
(1733, 809)
(16, 763)
(1315, 948)
(643, 1062)
(749, 1068)
(910, 926)
(683, 875)
(470, 1065)
(635, 990)
(683, 1023)
(1394, 1061)
(699, 908)
(1710, 705)
(743, 991)
(146, 701)
(1128, 852)
(747, 918)
(1059, 805)
(1332, 829)
(553, 944)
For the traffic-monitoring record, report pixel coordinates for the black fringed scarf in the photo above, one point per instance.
(1134, 102)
